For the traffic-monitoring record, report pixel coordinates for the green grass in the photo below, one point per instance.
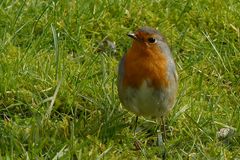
(58, 96)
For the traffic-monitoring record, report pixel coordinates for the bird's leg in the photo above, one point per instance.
(137, 143)
(135, 126)
(161, 137)
(159, 134)
(164, 129)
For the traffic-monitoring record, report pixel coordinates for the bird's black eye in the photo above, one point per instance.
(151, 40)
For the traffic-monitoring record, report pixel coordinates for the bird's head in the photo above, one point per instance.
(146, 38)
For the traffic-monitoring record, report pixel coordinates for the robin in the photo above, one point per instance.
(147, 77)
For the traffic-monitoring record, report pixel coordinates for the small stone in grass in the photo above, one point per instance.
(224, 133)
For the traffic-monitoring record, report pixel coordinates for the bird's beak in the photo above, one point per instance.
(132, 35)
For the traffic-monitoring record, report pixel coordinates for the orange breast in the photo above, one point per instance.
(145, 64)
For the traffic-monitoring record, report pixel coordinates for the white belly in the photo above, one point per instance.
(147, 101)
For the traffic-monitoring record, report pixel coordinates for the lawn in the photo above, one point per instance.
(58, 72)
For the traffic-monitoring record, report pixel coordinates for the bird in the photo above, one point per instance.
(147, 77)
